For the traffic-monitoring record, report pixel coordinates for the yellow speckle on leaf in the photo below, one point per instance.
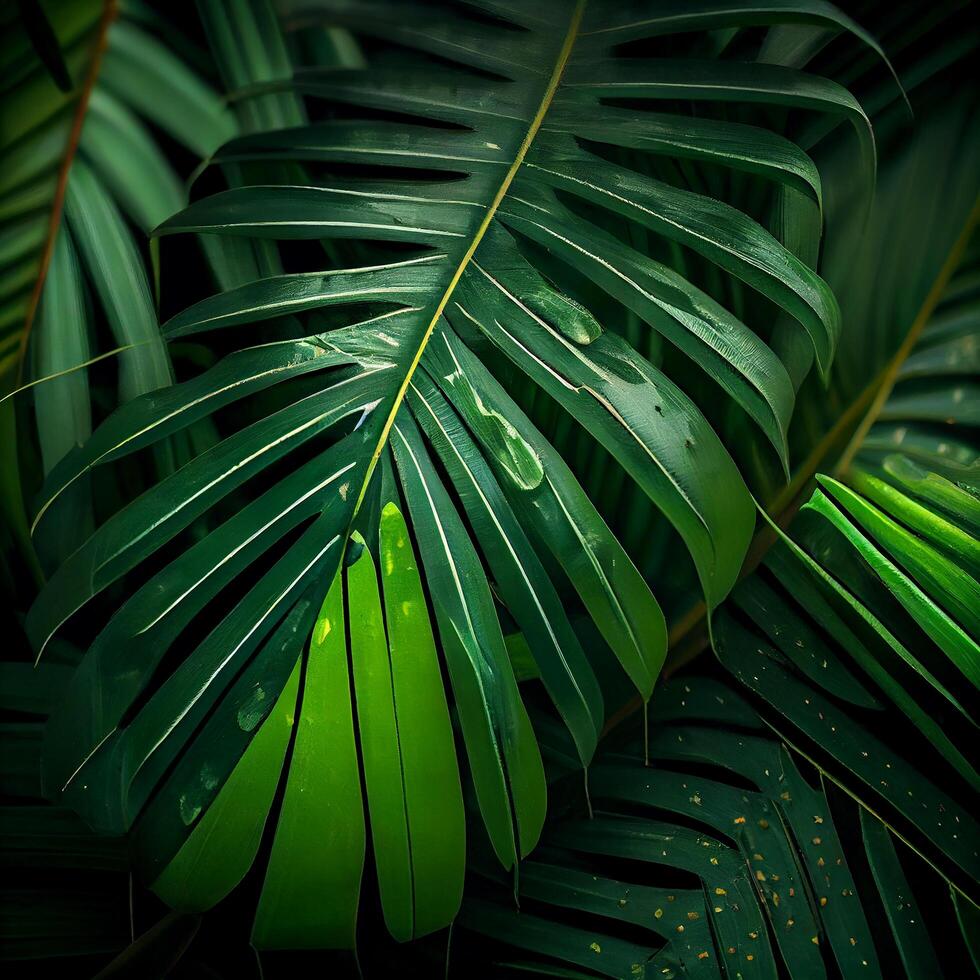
(595, 947)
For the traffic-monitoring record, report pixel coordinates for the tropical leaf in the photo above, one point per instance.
(84, 179)
(723, 857)
(879, 248)
(100, 122)
(376, 332)
(832, 768)
(872, 584)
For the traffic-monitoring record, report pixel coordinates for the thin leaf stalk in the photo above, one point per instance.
(110, 11)
(783, 508)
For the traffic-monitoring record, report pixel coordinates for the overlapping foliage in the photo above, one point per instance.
(406, 378)
(842, 653)
(517, 310)
(852, 643)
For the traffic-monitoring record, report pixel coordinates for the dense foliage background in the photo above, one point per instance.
(396, 394)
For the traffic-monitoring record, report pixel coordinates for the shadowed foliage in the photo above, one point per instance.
(396, 391)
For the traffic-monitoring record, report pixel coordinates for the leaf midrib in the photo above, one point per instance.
(562, 60)
(110, 12)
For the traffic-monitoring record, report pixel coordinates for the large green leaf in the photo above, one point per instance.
(376, 330)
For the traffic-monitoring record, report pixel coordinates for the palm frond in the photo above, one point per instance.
(84, 179)
(723, 857)
(819, 793)
(873, 584)
(507, 158)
